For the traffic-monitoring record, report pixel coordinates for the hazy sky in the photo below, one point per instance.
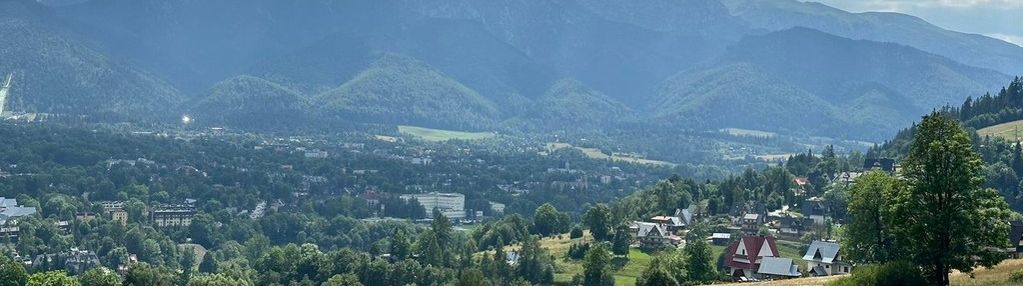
(1001, 19)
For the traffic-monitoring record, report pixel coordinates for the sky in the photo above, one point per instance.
(1001, 19)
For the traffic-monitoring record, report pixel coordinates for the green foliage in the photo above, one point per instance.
(51, 278)
(401, 90)
(100, 276)
(577, 251)
(943, 173)
(12, 273)
(534, 263)
(870, 236)
(1016, 276)
(143, 274)
(254, 103)
(672, 268)
(343, 280)
(656, 275)
(699, 261)
(621, 241)
(208, 264)
(576, 232)
(472, 277)
(598, 219)
(547, 221)
(898, 273)
(435, 245)
(597, 267)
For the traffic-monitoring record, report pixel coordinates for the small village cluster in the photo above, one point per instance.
(752, 252)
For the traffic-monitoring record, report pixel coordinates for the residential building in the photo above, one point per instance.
(816, 209)
(10, 210)
(119, 215)
(883, 164)
(451, 205)
(655, 236)
(752, 222)
(778, 268)
(172, 215)
(824, 259)
(74, 261)
(744, 256)
(720, 238)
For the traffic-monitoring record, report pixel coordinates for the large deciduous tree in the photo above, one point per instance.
(870, 234)
(598, 218)
(949, 222)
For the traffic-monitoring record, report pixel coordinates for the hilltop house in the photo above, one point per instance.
(815, 208)
(744, 256)
(1016, 239)
(752, 222)
(823, 259)
(681, 219)
(654, 235)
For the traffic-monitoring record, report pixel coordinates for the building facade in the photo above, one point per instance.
(451, 205)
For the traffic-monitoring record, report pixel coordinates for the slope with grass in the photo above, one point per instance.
(1011, 131)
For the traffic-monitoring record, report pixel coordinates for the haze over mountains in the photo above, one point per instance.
(782, 66)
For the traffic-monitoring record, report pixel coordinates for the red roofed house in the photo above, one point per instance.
(743, 257)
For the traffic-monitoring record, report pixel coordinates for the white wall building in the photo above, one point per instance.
(450, 204)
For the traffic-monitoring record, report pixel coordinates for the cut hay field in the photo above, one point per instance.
(1011, 131)
(437, 135)
(594, 153)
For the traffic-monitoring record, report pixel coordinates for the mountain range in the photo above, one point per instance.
(774, 65)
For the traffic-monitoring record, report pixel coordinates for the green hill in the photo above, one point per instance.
(56, 74)
(569, 104)
(400, 90)
(247, 101)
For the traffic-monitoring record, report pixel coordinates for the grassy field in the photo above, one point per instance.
(1012, 131)
(594, 153)
(749, 132)
(626, 270)
(437, 135)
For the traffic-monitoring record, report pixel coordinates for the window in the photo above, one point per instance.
(845, 269)
(827, 266)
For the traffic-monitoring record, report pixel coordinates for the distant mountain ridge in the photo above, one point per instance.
(775, 65)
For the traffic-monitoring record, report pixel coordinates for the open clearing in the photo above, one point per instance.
(594, 153)
(1011, 131)
(437, 135)
(749, 132)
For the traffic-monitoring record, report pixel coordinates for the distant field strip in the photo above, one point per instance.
(1011, 131)
(437, 135)
(594, 153)
(749, 132)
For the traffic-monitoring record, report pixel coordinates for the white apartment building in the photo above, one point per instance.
(450, 204)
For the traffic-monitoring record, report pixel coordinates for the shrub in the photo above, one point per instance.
(577, 232)
(888, 274)
(578, 251)
(1016, 276)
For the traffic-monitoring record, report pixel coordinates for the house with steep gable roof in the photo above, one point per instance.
(824, 258)
(744, 256)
